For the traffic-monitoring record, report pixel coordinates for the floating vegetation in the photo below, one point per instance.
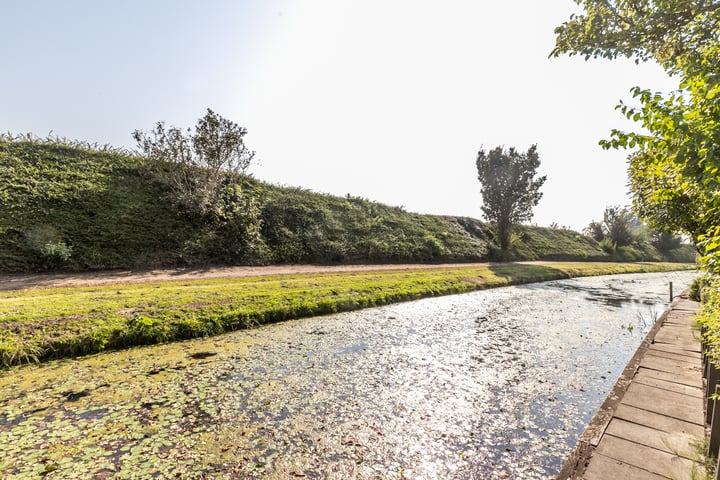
(494, 384)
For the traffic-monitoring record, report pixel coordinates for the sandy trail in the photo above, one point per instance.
(109, 277)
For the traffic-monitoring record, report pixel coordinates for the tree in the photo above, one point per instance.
(674, 171)
(198, 168)
(205, 172)
(509, 188)
(595, 230)
(620, 227)
(666, 242)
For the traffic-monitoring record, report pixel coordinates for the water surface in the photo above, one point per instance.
(491, 384)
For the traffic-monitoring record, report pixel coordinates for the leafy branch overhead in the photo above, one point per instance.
(674, 169)
(675, 33)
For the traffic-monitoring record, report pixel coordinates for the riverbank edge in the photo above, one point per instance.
(69, 334)
(578, 460)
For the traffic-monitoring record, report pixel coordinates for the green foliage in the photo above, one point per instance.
(608, 246)
(634, 253)
(674, 171)
(675, 33)
(616, 221)
(709, 292)
(536, 243)
(684, 253)
(56, 252)
(509, 188)
(595, 230)
(619, 228)
(205, 174)
(666, 242)
(625, 238)
(72, 208)
(198, 168)
(142, 330)
(304, 227)
(698, 286)
(51, 251)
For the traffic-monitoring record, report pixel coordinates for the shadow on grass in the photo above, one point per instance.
(519, 273)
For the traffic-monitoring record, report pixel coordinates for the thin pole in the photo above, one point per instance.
(671, 295)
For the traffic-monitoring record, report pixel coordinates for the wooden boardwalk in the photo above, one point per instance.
(653, 419)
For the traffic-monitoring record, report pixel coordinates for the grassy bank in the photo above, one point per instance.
(39, 324)
(71, 207)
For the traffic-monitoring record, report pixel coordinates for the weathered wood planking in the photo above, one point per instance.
(654, 417)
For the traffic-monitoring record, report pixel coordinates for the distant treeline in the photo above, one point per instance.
(73, 207)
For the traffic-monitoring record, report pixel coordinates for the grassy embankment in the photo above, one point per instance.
(44, 323)
(70, 207)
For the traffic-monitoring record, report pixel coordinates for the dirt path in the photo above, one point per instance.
(110, 277)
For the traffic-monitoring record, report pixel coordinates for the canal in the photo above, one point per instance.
(492, 384)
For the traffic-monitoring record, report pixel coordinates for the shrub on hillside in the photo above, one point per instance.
(205, 172)
(198, 167)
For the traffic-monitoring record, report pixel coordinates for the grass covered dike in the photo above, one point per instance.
(73, 207)
(44, 323)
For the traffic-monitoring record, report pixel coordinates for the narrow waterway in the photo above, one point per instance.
(492, 384)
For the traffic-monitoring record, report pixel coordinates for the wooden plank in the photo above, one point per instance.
(645, 377)
(647, 458)
(668, 336)
(654, 416)
(686, 308)
(605, 468)
(675, 321)
(681, 330)
(676, 405)
(686, 305)
(673, 356)
(672, 366)
(677, 326)
(689, 379)
(679, 444)
(657, 421)
(664, 347)
(682, 316)
(683, 341)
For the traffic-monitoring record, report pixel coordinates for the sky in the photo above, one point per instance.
(388, 100)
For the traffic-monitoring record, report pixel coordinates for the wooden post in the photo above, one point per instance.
(703, 350)
(671, 295)
(714, 446)
(712, 381)
(706, 367)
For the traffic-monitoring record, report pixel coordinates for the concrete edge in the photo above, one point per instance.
(578, 459)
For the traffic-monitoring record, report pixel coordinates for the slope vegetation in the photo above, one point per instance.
(72, 207)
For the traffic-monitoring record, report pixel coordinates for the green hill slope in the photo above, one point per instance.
(75, 208)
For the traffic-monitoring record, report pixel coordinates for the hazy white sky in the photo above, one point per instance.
(384, 99)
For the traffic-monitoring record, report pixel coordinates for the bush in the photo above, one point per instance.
(56, 254)
(607, 246)
(198, 168)
(697, 287)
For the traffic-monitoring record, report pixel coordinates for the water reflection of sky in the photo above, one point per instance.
(493, 384)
